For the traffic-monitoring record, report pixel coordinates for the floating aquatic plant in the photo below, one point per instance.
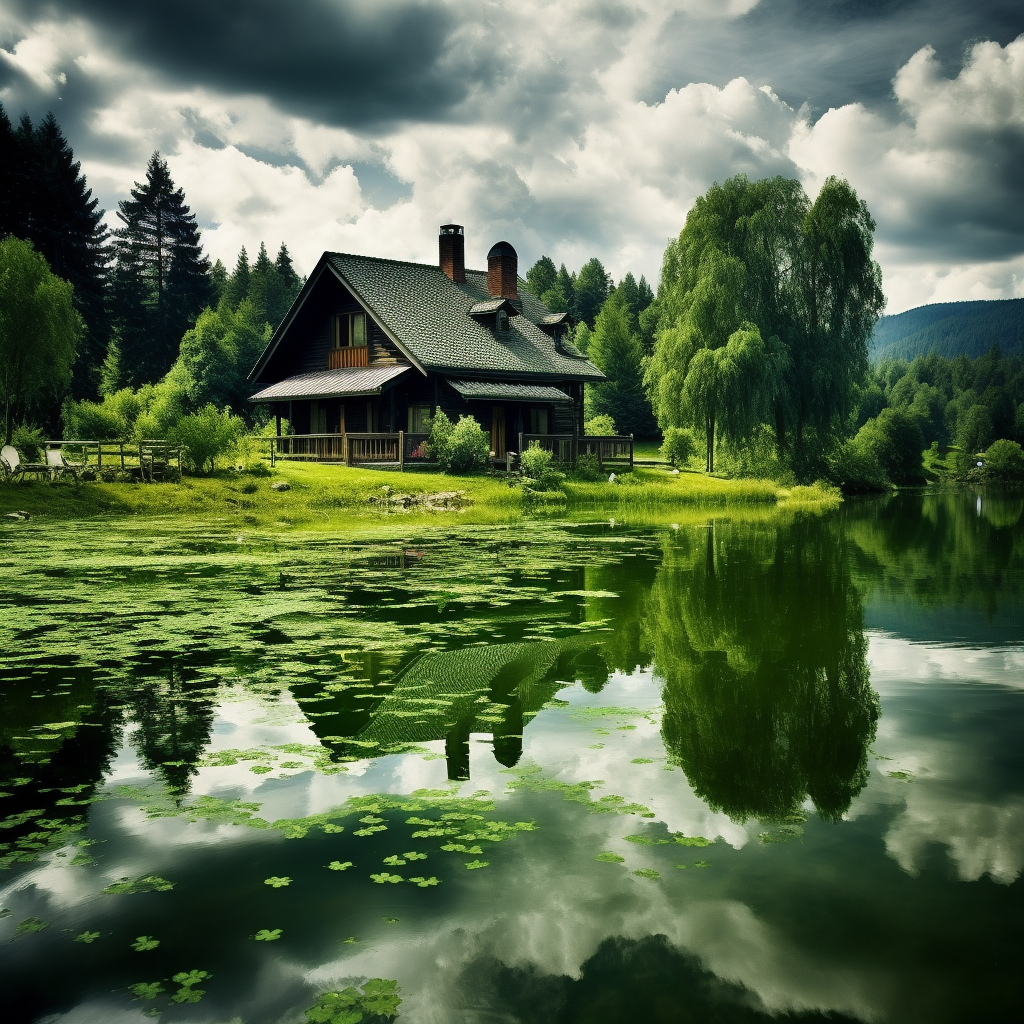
(338, 865)
(144, 943)
(385, 876)
(268, 935)
(147, 883)
(277, 881)
(87, 937)
(146, 989)
(647, 873)
(424, 883)
(607, 857)
(379, 998)
(474, 864)
(32, 924)
(188, 993)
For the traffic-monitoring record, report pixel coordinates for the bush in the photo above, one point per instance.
(599, 426)
(535, 461)
(1005, 459)
(854, 467)
(588, 468)
(459, 449)
(205, 435)
(679, 445)
(894, 438)
(92, 421)
(29, 442)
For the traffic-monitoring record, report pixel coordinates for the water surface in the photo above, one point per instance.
(715, 770)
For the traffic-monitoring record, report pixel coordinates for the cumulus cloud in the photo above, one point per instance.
(576, 129)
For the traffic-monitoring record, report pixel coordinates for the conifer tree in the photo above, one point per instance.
(287, 271)
(238, 283)
(159, 247)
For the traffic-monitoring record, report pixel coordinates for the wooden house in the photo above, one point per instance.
(372, 348)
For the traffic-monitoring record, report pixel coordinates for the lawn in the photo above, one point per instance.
(336, 497)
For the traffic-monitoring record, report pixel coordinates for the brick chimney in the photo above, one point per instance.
(503, 271)
(451, 248)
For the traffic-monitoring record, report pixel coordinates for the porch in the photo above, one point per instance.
(404, 448)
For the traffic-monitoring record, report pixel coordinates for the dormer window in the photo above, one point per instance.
(502, 319)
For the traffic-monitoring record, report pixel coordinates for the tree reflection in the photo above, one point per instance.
(757, 632)
(175, 713)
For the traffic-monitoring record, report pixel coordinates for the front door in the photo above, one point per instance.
(498, 431)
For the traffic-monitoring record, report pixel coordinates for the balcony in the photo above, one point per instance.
(352, 355)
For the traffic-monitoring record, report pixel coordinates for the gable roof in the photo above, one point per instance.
(430, 319)
(341, 383)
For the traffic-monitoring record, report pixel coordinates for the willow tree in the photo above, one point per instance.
(801, 274)
(39, 331)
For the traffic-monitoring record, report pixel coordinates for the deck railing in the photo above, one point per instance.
(352, 449)
(612, 449)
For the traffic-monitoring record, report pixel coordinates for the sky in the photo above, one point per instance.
(575, 128)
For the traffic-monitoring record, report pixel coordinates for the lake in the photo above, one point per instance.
(723, 769)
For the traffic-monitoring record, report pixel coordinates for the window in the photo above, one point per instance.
(538, 421)
(419, 419)
(502, 319)
(349, 330)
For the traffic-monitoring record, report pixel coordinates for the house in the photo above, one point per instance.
(372, 348)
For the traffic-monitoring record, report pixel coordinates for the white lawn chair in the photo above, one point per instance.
(10, 463)
(59, 466)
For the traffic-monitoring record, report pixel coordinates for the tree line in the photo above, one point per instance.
(147, 313)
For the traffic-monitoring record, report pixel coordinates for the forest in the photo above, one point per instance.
(750, 359)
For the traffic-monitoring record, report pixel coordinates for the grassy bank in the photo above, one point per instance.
(332, 497)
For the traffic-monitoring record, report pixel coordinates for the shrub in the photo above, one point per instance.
(894, 438)
(599, 426)
(28, 441)
(535, 461)
(679, 445)
(1006, 459)
(205, 435)
(588, 468)
(854, 467)
(92, 421)
(440, 437)
(459, 449)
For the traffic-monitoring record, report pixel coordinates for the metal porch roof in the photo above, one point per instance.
(356, 380)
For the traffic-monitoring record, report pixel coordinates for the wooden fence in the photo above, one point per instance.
(613, 450)
(146, 459)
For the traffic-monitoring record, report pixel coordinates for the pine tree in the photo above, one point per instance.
(591, 290)
(287, 271)
(238, 283)
(541, 276)
(159, 245)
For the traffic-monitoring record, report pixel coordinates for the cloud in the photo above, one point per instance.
(578, 129)
(942, 180)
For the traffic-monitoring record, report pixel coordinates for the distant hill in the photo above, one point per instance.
(950, 328)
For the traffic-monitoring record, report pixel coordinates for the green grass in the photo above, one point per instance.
(337, 497)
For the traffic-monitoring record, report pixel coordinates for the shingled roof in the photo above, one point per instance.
(429, 314)
(431, 319)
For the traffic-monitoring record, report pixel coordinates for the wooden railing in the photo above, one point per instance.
(611, 449)
(350, 449)
(147, 459)
(353, 355)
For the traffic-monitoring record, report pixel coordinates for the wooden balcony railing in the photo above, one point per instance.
(341, 358)
(350, 449)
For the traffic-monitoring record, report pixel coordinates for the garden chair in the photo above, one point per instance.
(59, 466)
(19, 468)
(10, 463)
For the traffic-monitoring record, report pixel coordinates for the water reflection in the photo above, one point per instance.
(759, 638)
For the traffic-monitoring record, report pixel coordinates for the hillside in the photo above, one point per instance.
(950, 328)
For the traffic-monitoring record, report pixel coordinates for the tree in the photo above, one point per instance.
(159, 258)
(615, 350)
(541, 276)
(39, 331)
(801, 274)
(46, 200)
(238, 283)
(591, 290)
(894, 439)
(283, 262)
(561, 296)
(839, 299)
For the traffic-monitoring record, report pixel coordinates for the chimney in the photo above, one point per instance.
(451, 248)
(503, 271)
